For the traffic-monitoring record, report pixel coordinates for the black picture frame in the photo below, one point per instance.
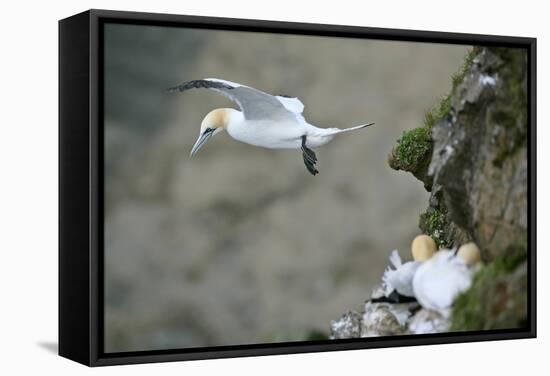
(81, 187)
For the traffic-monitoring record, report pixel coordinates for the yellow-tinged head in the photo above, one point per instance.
(470, 253)
(213, 123)
(423, 247)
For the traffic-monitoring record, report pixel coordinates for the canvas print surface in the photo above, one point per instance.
(296, 218)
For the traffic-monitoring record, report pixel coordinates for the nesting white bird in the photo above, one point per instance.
(400, 278)
(438, 281)
(274, 122)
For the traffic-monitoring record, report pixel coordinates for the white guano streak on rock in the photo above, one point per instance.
(487, 80)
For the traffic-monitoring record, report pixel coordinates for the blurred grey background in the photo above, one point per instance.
(240, 244)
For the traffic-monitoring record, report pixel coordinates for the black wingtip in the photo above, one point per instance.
(204, 83)
(394, 298)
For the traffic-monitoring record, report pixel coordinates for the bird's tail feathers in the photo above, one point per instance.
(354, 128)
(395, 259)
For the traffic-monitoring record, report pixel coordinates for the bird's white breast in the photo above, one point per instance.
(268, 134)
(438, 281)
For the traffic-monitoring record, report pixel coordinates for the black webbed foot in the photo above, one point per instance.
(310, 159)
(310, 166)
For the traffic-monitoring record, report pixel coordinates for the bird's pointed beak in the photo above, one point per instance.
(203, 138)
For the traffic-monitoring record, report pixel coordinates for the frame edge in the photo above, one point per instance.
(74, 160)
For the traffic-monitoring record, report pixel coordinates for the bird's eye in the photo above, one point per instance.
(208, 130)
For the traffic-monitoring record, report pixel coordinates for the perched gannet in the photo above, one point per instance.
(274, 122)
(438, 281)
(401, 277)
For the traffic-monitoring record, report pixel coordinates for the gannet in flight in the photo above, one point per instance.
(274, 122)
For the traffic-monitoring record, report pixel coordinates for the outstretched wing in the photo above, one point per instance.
(291, 103)
(255, 104)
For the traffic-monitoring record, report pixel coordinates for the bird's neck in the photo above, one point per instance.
(232, 117)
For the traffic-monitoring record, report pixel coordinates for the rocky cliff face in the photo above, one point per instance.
(479, 161)
(471, 155)
(475, 166)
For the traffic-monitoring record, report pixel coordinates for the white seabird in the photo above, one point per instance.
(438, 281)
(268, 121)
(400, 278)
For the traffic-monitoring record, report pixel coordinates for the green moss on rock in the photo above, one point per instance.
(434, 223)
(458, 77)
(412, 149)
(443, 108)
(413, 154)
(438, 113)
(497, 298)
